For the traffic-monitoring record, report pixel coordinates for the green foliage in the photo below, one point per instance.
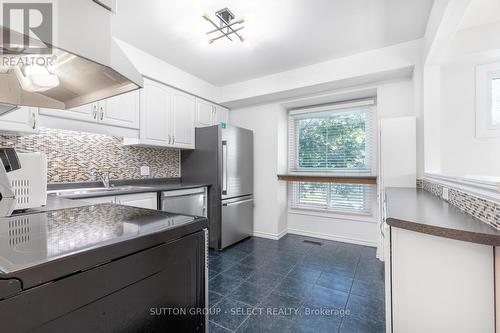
(337, 142)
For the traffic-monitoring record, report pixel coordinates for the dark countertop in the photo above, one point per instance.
(420, 211)
(36, 248)
(140, 186)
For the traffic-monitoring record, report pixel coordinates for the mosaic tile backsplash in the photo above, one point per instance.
(72, 156)
(484, 210)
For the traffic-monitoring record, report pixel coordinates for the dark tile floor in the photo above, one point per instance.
(261, 285)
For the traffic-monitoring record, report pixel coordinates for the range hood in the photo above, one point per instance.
(86, 64)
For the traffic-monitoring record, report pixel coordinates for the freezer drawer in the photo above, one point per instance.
(237, 220)
(187, 202)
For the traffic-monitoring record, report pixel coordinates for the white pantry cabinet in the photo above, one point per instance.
(141, 200)
(119, 111)
(209, 114)
(21, 121)
(167, 117)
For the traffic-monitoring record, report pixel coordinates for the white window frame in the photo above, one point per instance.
(484, 125)
(341, 214)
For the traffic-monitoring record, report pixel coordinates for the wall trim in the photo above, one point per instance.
(269, 235)
(482, 188)
(342, 239)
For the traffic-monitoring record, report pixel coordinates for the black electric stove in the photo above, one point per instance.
(59, 262)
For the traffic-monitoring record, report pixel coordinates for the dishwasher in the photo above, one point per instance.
(191, 201)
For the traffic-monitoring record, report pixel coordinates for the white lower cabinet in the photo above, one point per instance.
(21, 121)
(141, 200)
(441, 285)
(100, 200)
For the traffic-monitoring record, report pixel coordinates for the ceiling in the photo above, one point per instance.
(481, 12)
(280, 34)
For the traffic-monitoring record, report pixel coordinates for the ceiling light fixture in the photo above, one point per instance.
(227, 27)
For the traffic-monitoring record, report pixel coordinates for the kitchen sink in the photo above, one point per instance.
(89, 190)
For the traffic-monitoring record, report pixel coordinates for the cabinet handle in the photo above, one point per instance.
(34, 120)
(102, 113)
(94, 112)
(169, 139)
(173, 139)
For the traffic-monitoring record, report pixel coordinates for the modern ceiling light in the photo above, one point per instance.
(227, 27)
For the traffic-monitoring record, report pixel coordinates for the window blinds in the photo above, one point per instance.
(333, 140)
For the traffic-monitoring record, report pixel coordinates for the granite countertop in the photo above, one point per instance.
(45, 240)
(420, 211)
(132, 186)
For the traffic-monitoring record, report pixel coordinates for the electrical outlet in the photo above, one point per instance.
(446, 193)
(144, 170)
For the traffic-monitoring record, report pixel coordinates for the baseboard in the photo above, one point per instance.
(333, 238)
(270, 235)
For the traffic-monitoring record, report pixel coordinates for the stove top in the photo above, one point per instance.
(35, 239)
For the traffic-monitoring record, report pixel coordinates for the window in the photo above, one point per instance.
(488, 100)
(332, 140)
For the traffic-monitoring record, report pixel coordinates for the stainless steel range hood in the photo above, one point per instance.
(86, 63)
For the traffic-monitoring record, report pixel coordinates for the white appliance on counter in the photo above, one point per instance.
(23, 181)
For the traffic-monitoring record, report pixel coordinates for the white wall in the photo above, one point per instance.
(461, 152)
(160, 70)
(269, 123)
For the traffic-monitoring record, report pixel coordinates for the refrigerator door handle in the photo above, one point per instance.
(224, 167)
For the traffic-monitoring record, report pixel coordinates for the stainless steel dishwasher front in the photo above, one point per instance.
(189, 201)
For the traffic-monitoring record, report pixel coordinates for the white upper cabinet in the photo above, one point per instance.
(88, 112)
(222, 115)
(209, 114)
(21, 121)
(156, 114)
(183, 114)
(167, 117)
(204, 113)
(121, 110)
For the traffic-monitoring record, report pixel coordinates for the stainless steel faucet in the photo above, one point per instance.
(104, 178)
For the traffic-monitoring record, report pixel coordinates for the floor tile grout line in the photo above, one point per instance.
(349, 295)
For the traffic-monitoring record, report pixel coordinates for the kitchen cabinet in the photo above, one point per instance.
(183, 132)
(222, 115)
(204, 113)
(100, 200)
(141, 200)
(209, 114)
(21, 121)
(449, 283)
(120, 111)
(167, 117)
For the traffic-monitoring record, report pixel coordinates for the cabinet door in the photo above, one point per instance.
(141, 200)
(183, 111)
(204, 113)
(87, 112)
(22, 120)
(100, 200)
(121, 110)
(155, 114)
(221, 115)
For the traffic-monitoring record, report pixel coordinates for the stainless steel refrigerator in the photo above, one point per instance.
(223, 159)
